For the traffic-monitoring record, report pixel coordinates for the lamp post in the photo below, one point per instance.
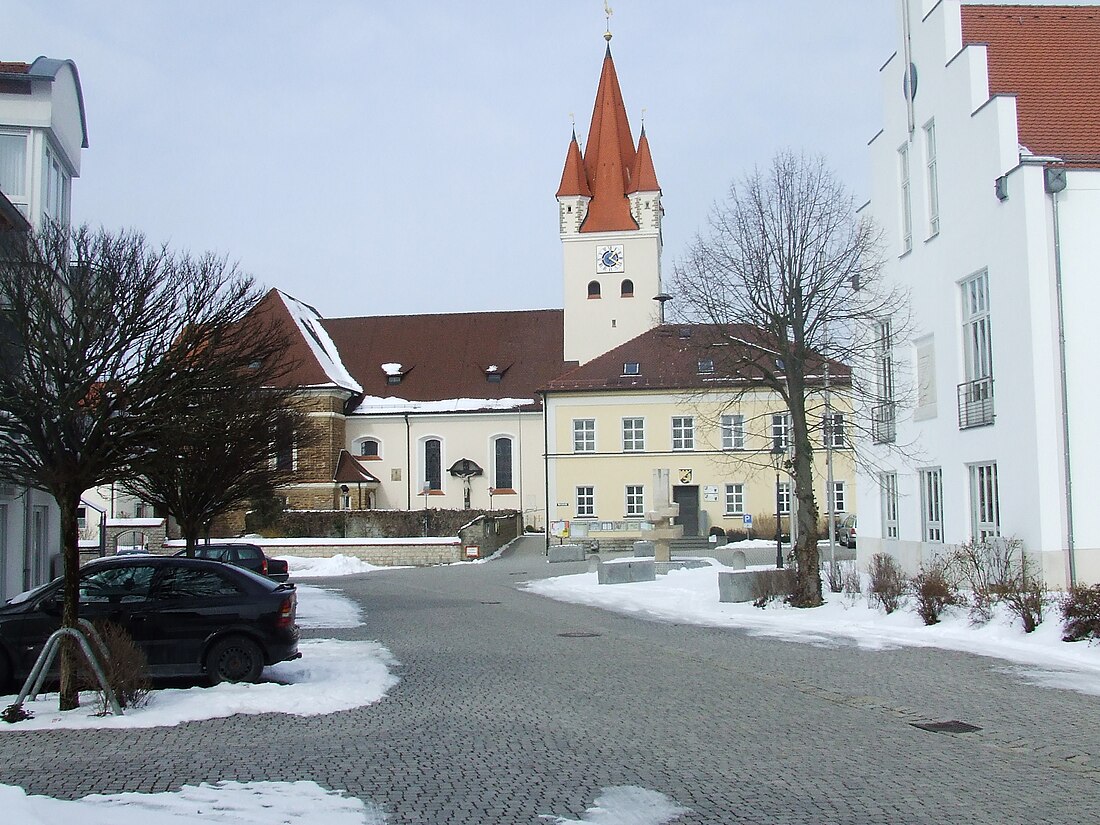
(778, 454)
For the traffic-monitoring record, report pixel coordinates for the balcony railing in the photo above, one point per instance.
(884, 425)
(976, 403)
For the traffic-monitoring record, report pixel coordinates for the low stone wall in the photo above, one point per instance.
(750, 585)
(385, 553)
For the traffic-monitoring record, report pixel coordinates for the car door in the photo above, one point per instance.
(120, 594)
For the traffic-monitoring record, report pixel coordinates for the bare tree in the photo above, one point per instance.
(233, 439)
(787, 256)
(111, 336)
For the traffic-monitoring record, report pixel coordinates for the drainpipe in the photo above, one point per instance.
(1054, 181)
(546, 471)
(408, 465)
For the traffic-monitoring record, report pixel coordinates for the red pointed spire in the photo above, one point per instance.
(573, 179)
(643, 177)
(609, 157)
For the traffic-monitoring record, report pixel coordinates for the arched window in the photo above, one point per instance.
(502, 463)
(627, 289)
(368, 448)
(433, 464)
(593, 289)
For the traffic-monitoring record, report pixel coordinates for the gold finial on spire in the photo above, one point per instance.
(607, 12)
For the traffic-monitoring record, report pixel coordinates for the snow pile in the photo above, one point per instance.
(319, 608)
(627, 805)
(393, 404)
(691, 597)
(227, 803)
(319, 568)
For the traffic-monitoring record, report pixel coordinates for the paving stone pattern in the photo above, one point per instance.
(499, 719)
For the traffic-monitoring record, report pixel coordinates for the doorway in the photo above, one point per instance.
(688, 499)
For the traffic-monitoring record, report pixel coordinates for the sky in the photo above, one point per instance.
(380, 158)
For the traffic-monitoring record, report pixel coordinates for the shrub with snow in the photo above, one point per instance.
(934, 590)
(888, 583)
(1081, 613)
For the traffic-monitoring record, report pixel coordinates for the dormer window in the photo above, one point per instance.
(494, 373)
(394, 373)
(593, 289)
(706, 366)
(632, 368)
(627, 289)
(393, 380)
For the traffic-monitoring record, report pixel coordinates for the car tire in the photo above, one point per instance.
(234, 659)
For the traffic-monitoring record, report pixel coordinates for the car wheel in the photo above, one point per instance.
(234, 659)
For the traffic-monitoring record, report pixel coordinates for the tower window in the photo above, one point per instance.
(627, 289)
(632, 368)
(593, 289)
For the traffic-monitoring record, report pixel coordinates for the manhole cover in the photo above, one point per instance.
(954, 726)
(520, 573)
(490, 602)
(578, 634)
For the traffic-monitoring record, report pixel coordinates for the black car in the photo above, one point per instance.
(191, 617)
(249, 556)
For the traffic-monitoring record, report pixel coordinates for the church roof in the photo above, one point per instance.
(643, 177)
(573, 179)
(1047, 56)
(609, 157)
(351, 470)
(681, 357)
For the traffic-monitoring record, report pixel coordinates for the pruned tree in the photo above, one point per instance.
(233, 438)
(111, 335)
(787, 255)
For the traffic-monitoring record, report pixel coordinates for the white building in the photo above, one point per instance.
(986, 182)
(42, 130)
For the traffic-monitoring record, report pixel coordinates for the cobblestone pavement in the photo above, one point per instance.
(500, 718)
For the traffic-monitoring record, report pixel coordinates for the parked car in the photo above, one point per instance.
(249, 556)
(191, 617)
(846, 531)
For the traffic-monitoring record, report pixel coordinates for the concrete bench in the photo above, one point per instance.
(626, 571)
(566, 552)
(750, 585)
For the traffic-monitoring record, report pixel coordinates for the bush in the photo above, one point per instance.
(125, 666)
(1000, 570)
(934, 590)
(1081, 613)
(735, 535)
(888, 583)
(833, 576)
(1026, 593)
(851, 585)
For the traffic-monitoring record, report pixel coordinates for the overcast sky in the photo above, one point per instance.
(402, 157)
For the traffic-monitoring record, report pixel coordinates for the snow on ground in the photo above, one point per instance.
(627, 805)
(331, 676)
(337, 565)
(226, 803)
(691, 597)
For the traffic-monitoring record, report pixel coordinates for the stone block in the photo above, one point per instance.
(750, 585)
(680, 564)
(626, 572)
(566, 552)
(737, 560)
(644, 549)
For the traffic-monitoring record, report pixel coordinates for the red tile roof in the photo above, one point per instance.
(14, 67)
(668, 359)
(573, 180)
(643, 177)
(1049, 57)
(350, 470)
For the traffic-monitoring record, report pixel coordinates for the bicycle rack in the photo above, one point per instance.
(37, 677)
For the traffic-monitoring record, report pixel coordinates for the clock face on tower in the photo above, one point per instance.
(609, 258)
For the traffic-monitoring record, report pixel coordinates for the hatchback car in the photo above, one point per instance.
(191, 617)
(846, 531)
(249, 556)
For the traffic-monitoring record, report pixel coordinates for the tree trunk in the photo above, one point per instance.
(190, 532)
(807, 592)
(70, 548)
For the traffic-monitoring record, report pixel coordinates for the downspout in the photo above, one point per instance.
(1055, 183)
(519, 464)
(546, 471)
(408, 465)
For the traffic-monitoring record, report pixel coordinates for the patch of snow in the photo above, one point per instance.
(135, 522)
(391, 369)
(302, 567)
(627, 805)
(326, 542)
(331, 676)
(319, 342)
(393, 404)
(226, 803)
(319, 607)
(691, 597)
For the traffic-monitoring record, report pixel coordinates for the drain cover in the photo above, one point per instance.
(578, 634)
(490, 602)
(954, 726)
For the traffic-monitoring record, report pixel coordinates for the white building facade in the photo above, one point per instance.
(986, 183)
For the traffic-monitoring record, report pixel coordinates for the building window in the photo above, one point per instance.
(781, 429)
(832, 426)
(735, 499)
(584, 435)
(888, 484)
(706, 366)
(13, 166)
(593, 289)
(633, 435)
(635, 504)
(345, 501)
(433, 464)
(976, 394)
(733, 432)
(683, 432)
(838, 496)
(81, 517)
(368, 448)
(931, 504)
(586, 502)
(626, 290)
(393, 380)
(906, 205)
(933, 183)
(632, 368)
(883, 422)
(985, 509)
(56, 180)
(284, 449)
(784, 498)
(502, 463)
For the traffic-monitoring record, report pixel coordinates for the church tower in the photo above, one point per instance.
(609, 211)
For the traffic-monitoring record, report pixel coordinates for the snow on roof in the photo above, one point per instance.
(135, 522)
(324, 350)
(374, 404)
(391, 369)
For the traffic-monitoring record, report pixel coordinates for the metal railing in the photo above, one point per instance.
(976, 403)
(884, 423)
